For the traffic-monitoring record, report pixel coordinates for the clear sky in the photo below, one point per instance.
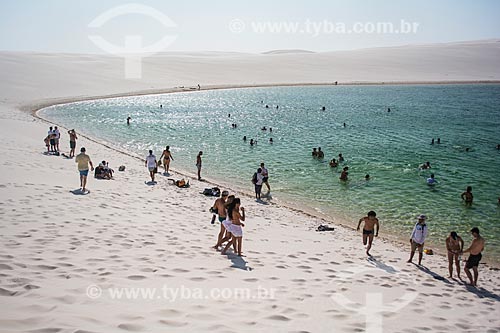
(233, 25)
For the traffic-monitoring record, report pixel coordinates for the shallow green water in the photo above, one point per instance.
(387, 145)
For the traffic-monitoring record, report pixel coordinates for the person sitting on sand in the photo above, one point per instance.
(167, 156)
(333, 163)
(455, 246)
(417, 238)
(236, 225)
(475, 250)
(370, 223)
(108, 172)
(220, 209)
(467, 195)
(99, 172)
(343, 175)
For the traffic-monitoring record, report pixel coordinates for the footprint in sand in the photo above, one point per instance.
(172, 323)
(278, 318)
(131, 327)
(5, 292)
(136, 277)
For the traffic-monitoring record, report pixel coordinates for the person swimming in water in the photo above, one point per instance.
(431, 180)
(333, 163)
(343, 175)
(467, 195)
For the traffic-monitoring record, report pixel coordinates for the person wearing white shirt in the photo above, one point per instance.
(151, 164)
(417, 238)
(58, 136)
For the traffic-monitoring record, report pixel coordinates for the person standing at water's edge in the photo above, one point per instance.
(368, 229)
(455, 246)
(198, 164)
(151, 164)
(72, 142)
(265, 177)
(475, 250)
(417, 238)
(167, 156)
(83, 161)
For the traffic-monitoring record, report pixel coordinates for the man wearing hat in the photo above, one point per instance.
(475, 250)
(417, 238)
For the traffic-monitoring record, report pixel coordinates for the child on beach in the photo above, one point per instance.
(235, 228)
(368, 229)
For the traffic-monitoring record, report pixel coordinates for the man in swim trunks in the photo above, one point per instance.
(220, 208)
(368, 229)
(83, 161)
(475, 250)
(417, 238)
(72, 142)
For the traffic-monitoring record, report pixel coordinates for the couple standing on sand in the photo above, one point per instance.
(227, 207)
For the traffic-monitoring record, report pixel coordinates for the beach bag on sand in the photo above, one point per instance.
(121, 168)
(212, 192)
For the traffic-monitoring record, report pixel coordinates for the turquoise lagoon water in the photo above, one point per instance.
(387, 145)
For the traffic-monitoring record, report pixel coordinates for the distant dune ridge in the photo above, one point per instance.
(86, 74)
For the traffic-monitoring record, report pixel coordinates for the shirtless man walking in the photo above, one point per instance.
(368, 229)
(475, 250)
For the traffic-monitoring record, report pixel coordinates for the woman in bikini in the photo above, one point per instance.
(454, 245)
(233, 211)
(167, 156)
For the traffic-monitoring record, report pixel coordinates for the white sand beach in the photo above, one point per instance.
(63, 255)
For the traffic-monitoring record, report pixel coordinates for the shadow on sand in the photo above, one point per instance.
(80, 192)
(238, 262)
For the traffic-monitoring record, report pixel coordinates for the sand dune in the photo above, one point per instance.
(59, 248)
